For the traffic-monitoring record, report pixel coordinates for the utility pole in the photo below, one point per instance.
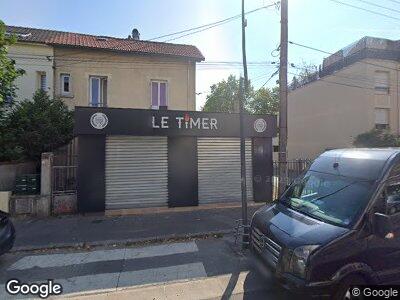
(283, 97)
(243, 93)
(244, 24)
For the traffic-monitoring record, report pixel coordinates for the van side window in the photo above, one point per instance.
(392, 191)
(395, 171)
(393, 197)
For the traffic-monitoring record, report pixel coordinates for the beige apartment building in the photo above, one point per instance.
(355, 90)
(36, 60)
(126, 80)
(100, 71)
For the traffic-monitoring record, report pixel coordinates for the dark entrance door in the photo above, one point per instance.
(182, 171)
(262, 169)
(90, 173)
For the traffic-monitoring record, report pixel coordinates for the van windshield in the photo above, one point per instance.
(330, 198)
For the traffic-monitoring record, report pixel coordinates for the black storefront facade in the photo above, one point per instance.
(134, 158)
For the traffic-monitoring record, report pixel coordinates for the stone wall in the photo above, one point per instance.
(33, 205)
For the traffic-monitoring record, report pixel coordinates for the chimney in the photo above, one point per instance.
(135, 34)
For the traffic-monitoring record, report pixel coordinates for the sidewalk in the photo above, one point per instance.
(243, 285)
(99, 230)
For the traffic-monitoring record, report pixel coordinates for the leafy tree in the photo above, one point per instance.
(309, 73)
(225, 95)
(33, 127)
(377, 138)
(8, 72)
(264, 101)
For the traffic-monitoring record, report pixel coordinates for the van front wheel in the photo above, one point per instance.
(344, 292)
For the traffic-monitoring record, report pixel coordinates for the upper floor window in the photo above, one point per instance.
(65, 84)
(42, 81)
(382, 81)
(159, 94)
(382, 118)
(98, 91)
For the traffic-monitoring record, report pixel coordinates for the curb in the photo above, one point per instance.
(124, 242)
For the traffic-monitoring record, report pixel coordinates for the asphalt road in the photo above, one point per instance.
(77, 230)
(100, 269)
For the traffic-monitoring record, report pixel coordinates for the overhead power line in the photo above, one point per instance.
(309, 47)
(258, 78)
(236, 67)
(208, 65)
(39, 60)
(210, 62)
(239, 63)
(330, 53)
(365, 9)
(270, 77)
(217, 23)
(377, 5)
(358, 80)
(201, 28)
(338, 83)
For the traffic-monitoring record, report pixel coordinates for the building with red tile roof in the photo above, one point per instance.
(71, 39)
(90, 70)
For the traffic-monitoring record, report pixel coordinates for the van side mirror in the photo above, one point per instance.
(382, 225)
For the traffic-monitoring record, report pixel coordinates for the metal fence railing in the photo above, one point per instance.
(294, 169)
(64, 168)
(64, 179)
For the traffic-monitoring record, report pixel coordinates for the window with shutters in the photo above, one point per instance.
(98, 91)
(42, 81)
(159, 94)
(381, 118)
(382, 82)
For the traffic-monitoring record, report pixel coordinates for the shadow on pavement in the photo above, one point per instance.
(255, 286)
(231, 285)
(270, 289)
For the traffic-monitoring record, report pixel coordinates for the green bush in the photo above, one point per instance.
(33, 127)
(376, 138)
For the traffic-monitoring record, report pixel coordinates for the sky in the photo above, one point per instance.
(322, 24)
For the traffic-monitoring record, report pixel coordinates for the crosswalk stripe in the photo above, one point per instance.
(132, 278)
(106, 281)
(68, 259)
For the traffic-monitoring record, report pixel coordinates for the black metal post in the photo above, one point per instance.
(243, 168)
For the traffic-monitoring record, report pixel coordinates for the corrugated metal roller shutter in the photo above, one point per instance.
(219, 170)
(136, 172)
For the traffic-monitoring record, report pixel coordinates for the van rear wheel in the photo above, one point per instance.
(344, 292)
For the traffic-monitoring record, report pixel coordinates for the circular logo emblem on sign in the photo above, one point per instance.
(260, 125)
(98, 120)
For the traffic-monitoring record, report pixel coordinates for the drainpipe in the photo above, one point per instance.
(397, 100)
(54, 74)
(187, 86)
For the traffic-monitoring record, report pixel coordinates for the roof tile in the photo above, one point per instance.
(53, 37)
